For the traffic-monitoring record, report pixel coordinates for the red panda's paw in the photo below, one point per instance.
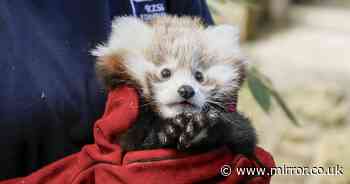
(171, 130)
(195, 133)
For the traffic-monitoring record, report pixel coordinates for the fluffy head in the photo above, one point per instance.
(177, 64)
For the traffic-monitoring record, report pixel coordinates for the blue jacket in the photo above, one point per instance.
(49, 96)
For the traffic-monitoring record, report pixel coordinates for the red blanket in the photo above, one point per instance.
(104, 163)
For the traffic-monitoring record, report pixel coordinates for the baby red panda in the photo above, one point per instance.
(187, 75)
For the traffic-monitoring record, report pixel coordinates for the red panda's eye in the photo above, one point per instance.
(166, 73)
(199, 76)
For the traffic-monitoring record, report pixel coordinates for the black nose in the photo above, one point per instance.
(186, 91)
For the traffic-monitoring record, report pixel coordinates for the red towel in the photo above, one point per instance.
(103, 162)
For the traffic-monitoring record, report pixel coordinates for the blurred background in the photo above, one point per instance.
(303, 47)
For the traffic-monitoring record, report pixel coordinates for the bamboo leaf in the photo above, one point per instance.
(254, 75)
(259, 91)
(285, 107)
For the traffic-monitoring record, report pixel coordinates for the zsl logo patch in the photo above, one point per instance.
(148, 9)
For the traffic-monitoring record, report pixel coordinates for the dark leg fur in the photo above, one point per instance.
(143, 134)
(240, 134)
(214, 128)
(191, 132)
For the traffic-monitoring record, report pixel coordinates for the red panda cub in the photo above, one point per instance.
(187, 76)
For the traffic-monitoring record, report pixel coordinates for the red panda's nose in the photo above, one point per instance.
(186, 91)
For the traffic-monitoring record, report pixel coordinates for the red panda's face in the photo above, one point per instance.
(178, 64)
(177, 87)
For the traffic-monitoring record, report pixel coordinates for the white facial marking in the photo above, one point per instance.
(222, 74)
(166, 93)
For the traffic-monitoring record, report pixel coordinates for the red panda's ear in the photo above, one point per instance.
(223, 39)
(111, 71)
(130, 36)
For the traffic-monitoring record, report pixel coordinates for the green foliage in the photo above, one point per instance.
(259, 90)
(263, 91)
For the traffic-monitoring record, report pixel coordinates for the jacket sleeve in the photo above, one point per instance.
(205, 13)
(198, 8)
